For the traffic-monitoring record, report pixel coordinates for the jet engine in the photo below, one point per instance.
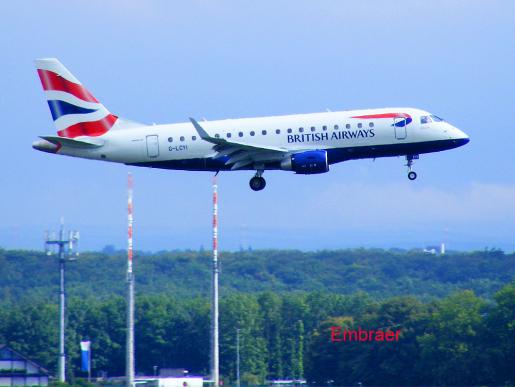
(306, 163)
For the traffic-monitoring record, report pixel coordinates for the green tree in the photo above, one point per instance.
(451, 348)
(384, 363)
(328, 361)
(33, 331)
(300, 350)
(270, 305)
(242, 311)
(500, 337)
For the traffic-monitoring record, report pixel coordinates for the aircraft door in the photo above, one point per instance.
(153, 146)
(399, 125)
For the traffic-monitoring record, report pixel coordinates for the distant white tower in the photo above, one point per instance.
(442, 245)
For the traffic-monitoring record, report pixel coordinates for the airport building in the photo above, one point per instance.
(192, 381)
(171, 377)
(17, 370)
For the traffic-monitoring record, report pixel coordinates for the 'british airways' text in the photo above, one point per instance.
(341, 135)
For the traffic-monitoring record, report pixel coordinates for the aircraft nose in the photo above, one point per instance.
(460, 137)
(463, 141)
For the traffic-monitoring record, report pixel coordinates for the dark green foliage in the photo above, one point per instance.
(284, 302)
(459, 340)
(29, 328)
(454, 341)
(500, 324)
(26, 275)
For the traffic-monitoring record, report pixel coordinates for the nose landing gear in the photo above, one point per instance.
(257, 183)
(409, 162)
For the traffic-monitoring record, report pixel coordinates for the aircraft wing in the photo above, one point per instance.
(240, 154)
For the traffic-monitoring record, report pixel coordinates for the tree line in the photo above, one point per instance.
(30, 275)
(461, 339)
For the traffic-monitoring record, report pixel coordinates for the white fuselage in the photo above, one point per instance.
(343, 135)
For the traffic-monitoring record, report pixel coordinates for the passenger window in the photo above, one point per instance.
(335, 127)
(313, 128)
(289, 130)
(263, 132)
(347, 126)
(240, 134)
(278, 131)
(324, 127)
(182, 138)
(360, 125)
(193, 138)
(252, 133)
(301, 130)
(370, 124)
(170, 139)
(217, 135)
(228, 135)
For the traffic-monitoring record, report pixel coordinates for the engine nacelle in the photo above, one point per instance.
(307, 163)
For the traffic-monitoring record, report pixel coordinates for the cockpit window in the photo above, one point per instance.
(436, 118)
(425, 120)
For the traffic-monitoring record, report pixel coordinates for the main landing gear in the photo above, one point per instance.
(409, 162)
(257, 183)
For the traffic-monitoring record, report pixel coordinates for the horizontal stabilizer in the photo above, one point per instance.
(73, 143)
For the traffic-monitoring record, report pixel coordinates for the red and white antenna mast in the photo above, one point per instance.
(130, 221)
(130, 290)
(215, 374)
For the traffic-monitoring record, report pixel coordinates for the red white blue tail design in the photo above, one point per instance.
(76, 112)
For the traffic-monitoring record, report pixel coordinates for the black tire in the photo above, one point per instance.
(263, 183)
(412, 175)
(257, 183)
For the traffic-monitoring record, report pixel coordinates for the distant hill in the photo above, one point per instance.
(380, 273)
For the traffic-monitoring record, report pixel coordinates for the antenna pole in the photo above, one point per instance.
(62, 300)
(65, 247)
(130, 291)
(214, 304)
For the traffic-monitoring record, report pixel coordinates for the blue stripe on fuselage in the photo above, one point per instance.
(60, 108)
(334, 155)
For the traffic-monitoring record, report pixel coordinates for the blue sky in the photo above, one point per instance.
(163, 61)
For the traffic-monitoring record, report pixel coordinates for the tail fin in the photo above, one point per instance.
(76, 112)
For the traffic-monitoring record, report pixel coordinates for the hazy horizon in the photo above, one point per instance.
(160, 61)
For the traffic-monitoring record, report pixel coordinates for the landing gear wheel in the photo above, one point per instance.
(257, 183)
(409, 158)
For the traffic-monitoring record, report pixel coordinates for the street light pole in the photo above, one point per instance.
(237, 357)
(89, 365)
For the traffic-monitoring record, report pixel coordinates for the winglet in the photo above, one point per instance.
(200, 130)
(205, 135)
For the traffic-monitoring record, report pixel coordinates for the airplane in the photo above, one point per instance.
(301, 143)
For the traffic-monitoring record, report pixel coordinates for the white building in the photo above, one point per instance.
(17, 370)
(193, 381)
